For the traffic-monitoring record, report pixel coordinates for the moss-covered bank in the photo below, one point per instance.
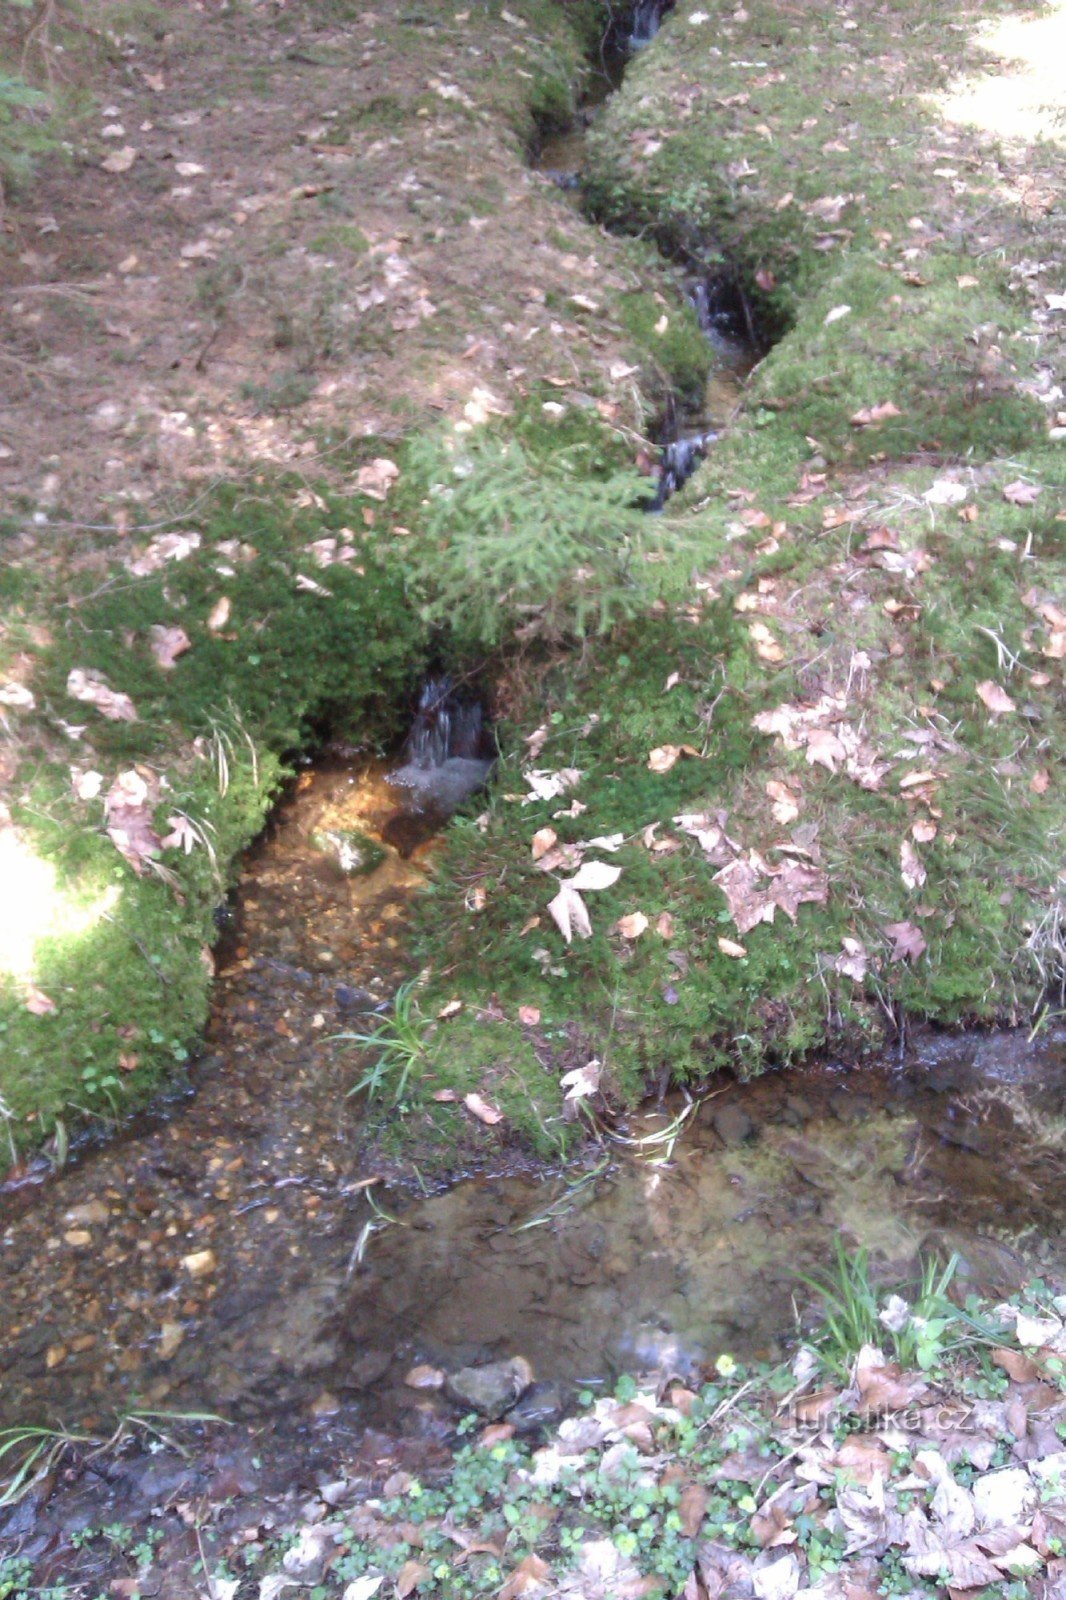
(192, 596)
(816, 778)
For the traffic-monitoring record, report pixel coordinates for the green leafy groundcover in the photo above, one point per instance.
(890, 1480)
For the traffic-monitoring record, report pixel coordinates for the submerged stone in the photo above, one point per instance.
(355, 853)
(491, 1389)
(732, 1125)
(541, 1404)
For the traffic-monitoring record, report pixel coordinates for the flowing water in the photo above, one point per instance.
(206, 1258)
(227, 1254)
(685, 432)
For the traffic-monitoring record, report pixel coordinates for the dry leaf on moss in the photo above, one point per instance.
(908, 942)
(377, 477)
(570, 914)
(94, 689)
(168, 644)
(482, 1110)
(995, 698)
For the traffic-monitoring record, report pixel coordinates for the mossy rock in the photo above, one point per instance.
(355, 853)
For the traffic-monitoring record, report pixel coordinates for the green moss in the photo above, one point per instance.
(342, 236)
(669, 331)
(302, 648)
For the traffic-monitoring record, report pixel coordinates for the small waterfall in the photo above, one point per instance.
(448, 753)
(644, 23)
(679, 460)
(448, 726)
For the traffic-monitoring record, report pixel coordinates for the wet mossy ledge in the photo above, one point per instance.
(204, 677)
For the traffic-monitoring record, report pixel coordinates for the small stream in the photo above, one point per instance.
(216, 1256)
(685, 431)
(205, 1259)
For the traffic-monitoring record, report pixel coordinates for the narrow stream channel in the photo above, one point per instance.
(685, 431)
(206, 1258)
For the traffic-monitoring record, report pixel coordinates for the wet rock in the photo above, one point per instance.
(984, 1265)
(348, 998)
(354, 852)
(847, 1106)
(978, 1139)
(22, 1519)
(200, 1263)
(424, 1377)
(89, 1214)
(369, 1368)
(158, 1481)
(541, 1404)
(796, 1111)
(732, 1125)
(948, 1077)
(492, 1389)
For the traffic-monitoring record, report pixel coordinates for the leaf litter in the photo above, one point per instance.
(783, 1486)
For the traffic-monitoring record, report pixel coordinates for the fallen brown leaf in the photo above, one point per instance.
(128, 808)
(766, 645)
(530, 1574)
(785, 806)
(870, 415)
(377, 477)
(168, 644)
(911, 869)
(995, 698)
(542, 842)
(93, 689)
(482, 1110)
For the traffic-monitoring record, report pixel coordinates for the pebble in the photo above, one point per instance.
(200, 1264)
(493, 1388)
(732, 1125)
(171, 1335)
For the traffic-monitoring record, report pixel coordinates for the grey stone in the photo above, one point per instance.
(732, 1125)
(797, 1111)
(847, 1106)
(542, 1403)
(369, 1368)
(492, 1389)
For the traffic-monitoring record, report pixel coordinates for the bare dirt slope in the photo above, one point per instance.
(277, 230)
